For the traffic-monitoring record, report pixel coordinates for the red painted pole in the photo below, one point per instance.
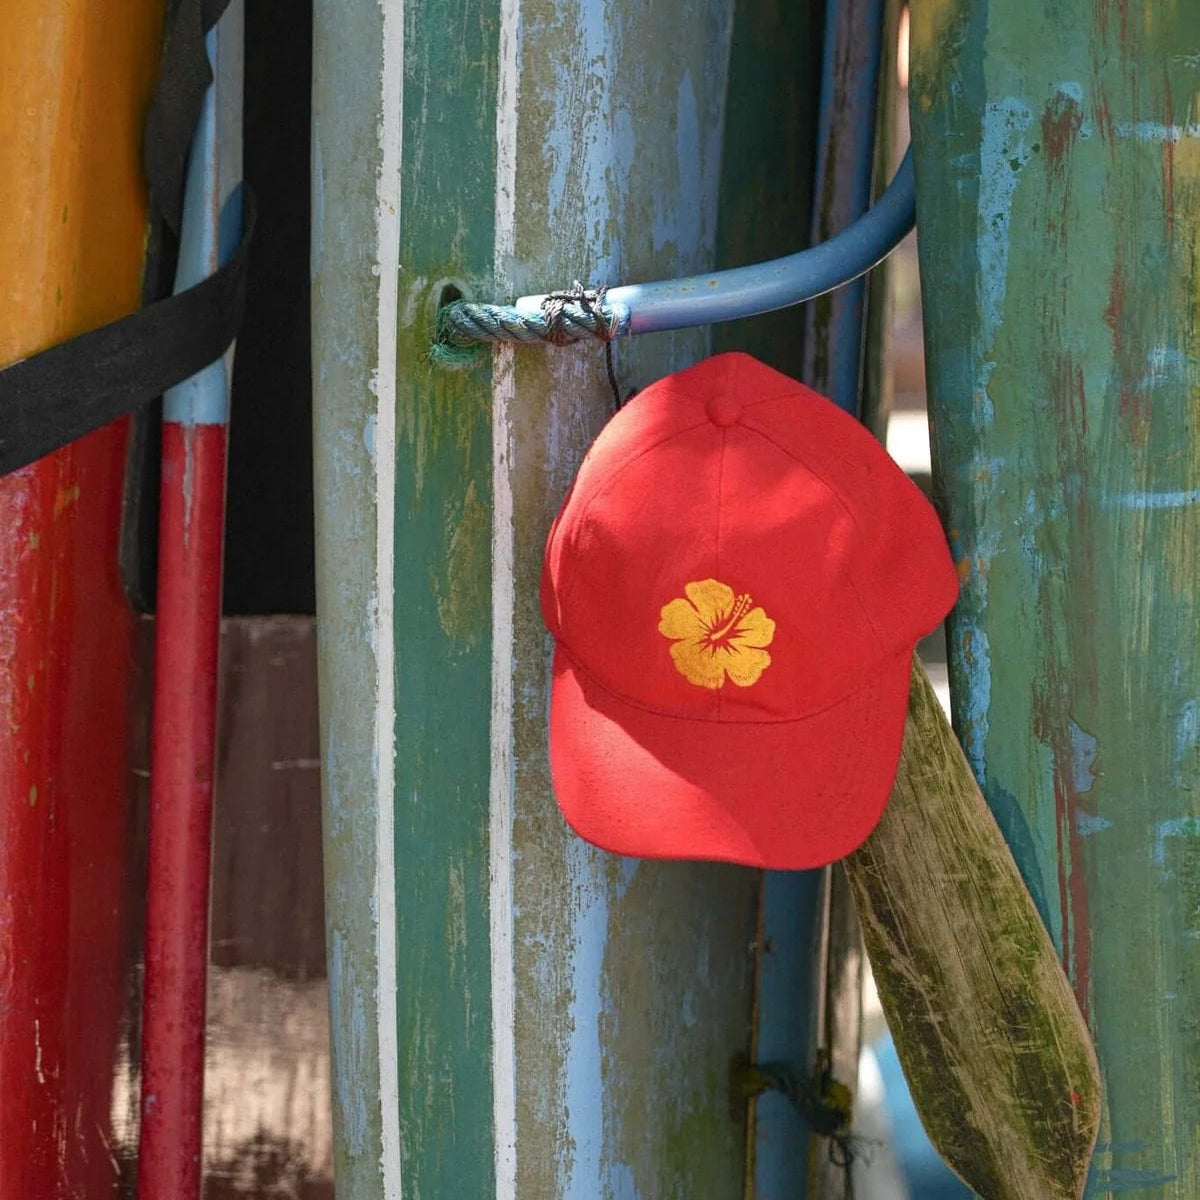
(187, 634)
(75, 87)
(182, 767)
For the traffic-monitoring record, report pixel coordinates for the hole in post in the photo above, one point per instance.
(448, 350)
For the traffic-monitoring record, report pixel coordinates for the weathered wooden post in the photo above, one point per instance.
(513, 1012)
(1058, 164)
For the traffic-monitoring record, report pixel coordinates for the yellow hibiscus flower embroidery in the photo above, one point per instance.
(716, 633)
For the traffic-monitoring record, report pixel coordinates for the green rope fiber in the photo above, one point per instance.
(565, 317)
(577, 315)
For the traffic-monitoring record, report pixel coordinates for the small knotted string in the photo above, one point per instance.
(824, 1103)
(591, 300)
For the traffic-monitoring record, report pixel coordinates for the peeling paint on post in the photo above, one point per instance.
(632, 979)
(513, 1012)
(356, 142)
(1058, 172)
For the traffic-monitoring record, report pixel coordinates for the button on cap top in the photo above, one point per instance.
(725, 410)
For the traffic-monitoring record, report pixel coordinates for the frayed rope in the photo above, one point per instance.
(576, 314)
(572, 315)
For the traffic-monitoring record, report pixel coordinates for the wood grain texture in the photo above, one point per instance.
(355, 97)
(1058, 181)
(632, 980)
(267, 909)
(267, 1079)
(998, 1057)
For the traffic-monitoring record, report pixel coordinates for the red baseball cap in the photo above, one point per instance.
(735, 585)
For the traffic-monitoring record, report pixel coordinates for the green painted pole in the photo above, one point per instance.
(1058, 177)
(513, 1013)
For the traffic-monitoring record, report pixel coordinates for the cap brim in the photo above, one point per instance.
(782, 795)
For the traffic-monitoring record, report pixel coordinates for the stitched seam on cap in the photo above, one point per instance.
(689, 395)
(818, 475)
(610, 483)
(743, 367)
(670, 716)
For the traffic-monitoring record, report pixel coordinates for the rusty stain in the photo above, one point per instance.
(1104, 117)
(1168, 157)
(1116, 299)
(1073, 890)
(1070, 396)
(1133, 398)
(963, 567)
(1074, 927)
(1104, 10)
(1062, 120)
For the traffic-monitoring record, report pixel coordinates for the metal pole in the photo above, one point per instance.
(183, 752)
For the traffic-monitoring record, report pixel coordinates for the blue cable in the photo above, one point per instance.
(696, 299)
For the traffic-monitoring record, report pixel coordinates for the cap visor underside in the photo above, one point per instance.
(782, 795)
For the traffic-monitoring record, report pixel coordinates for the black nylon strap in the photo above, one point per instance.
(62, 393)
(183, 77)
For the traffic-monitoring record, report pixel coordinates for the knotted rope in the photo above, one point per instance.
(572, 315)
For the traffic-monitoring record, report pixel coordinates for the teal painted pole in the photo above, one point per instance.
(513, 1012)
(1058, 179)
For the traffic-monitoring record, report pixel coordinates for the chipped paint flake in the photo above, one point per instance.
(1087, 825)
(1150, 501)
(1083, 758)
(37, 1051)
(1003, 154)
(1176, 827)
(970, 647)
